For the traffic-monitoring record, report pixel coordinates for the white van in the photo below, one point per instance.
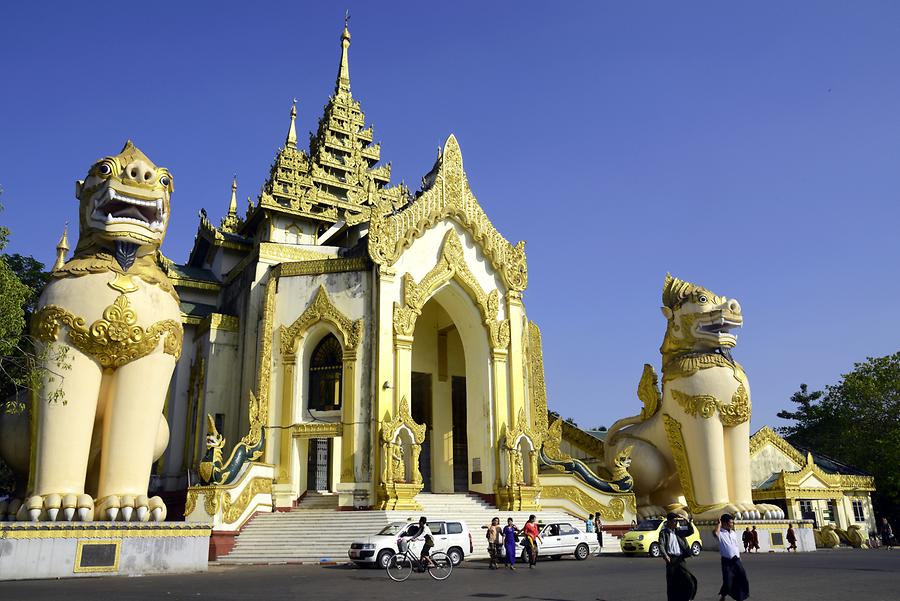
(450, 536)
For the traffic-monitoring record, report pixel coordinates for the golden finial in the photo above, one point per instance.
(62, 247)
(232, 206)
(343, 82)
(292, 131)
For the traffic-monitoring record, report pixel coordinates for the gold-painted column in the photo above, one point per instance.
(348, 417)
(284, 470)
(516, 313)
(385, 382)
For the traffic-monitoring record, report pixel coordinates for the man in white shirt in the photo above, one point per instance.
(734, 577)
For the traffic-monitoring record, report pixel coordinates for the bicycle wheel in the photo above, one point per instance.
(399, 568)
(442, 566)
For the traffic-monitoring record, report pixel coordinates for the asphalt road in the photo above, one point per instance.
(836, 575)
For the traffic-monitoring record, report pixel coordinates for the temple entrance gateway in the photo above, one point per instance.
(460, 453)
(421, 414)
(318, 470)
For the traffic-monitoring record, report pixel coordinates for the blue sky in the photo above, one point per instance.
(752, 148)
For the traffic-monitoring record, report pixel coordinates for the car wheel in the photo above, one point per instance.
(525, 557)
(582, 551)
(696, 548)
(456, 555)
(654, 550)
(383, 558)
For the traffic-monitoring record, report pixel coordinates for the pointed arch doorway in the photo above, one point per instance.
(449, 391)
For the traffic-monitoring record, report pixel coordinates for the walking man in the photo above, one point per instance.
(681, 585)
(791, 538)
(589, 524)
(734, 578)
(754, 540)
(887, 534)
(598, 528)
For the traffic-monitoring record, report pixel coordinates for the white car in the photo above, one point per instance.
(562, 538)
(450, 536)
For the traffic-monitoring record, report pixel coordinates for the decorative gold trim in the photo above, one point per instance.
(321, 266)
(55, 530)
(768, 435)
(321, 309)
(536, 383)
(264, 369)
(683, 466)
(451, 266)
(447, 195)
(317, 430)
(613, 512)
(232, 510)
(114, 340)
(706, 405)
(79, 569)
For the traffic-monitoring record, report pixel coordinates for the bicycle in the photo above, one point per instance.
(401, 564)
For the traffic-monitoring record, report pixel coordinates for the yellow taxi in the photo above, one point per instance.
(644, 538)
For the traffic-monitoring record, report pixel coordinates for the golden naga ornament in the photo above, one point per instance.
(114, 340)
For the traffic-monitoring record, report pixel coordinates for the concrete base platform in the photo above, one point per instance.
(30, 550)
(772, 534)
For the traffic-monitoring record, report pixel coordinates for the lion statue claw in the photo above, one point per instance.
(690, 443)
(99, 426)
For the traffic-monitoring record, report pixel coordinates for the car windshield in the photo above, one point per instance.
(648, 525)
(392, 529)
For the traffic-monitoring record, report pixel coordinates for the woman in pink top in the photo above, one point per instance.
(531, 537)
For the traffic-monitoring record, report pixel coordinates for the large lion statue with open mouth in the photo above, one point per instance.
(691, 443)
(97, 423)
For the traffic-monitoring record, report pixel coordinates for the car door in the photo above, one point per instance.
(569, 537)
(552, 541)
(439, 533)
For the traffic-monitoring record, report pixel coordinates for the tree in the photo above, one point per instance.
(856, 421)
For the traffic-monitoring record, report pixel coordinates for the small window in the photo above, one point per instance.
(325, 373)
(454, 528)
(566, 529)
(436, 528)
(858, 513)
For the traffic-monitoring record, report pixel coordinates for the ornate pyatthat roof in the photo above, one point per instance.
(340, 175)
(445, 194)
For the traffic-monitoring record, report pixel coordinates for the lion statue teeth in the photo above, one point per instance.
(117, 318)
(691, 450)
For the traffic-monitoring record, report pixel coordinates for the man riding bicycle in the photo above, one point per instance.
(421, 532)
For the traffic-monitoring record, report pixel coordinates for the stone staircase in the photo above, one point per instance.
(316, 532)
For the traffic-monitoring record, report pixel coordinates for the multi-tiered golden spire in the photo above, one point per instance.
(231, 222)
(292, 130)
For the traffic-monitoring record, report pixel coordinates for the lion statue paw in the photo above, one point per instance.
(650, 511)
(131, 508)
(57, 508)
(770, 512)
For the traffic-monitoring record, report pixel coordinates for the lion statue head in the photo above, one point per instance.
(124, 206)
(698, 319)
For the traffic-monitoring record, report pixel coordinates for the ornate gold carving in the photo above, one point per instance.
(264, 371)
(274, 250)
(144, 267)
(613, 512)
(324, 266)
(552, 442)
(706, 405)
(536, 384)
(767, 435)
(232, 509)
(446, 195)
(321, 309)
(683, 465)
(451, 266)
(390, 430)
(515, 459)
(93, 530)
(190, 502)
(649, 393)
(114, 340)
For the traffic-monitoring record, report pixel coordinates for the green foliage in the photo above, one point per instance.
(856, 421)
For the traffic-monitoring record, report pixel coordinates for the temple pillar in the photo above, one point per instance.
(500, 378)
(515, 312)
(348, 416)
